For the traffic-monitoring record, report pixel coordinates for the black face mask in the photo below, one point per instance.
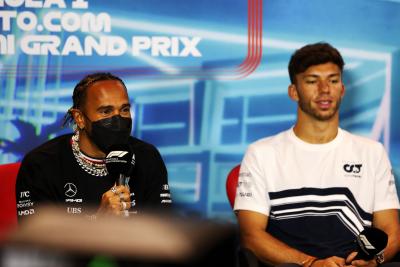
(110, 131)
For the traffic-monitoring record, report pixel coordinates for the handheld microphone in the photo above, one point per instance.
(370, 244)
(120, 161)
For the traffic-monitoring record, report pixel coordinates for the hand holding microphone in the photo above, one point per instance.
(116, 201)
(120, 162)
(371, 243)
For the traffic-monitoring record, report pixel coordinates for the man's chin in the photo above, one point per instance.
(324, 116)
(320, 116)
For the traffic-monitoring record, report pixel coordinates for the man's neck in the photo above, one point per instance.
(87, 146)
(316, 132)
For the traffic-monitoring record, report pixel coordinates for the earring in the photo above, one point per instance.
(75, 136)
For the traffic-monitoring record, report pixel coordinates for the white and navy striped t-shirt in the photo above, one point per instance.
(317, 197)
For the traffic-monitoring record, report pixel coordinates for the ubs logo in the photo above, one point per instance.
(165, 187)
(352, 168)
(70, 189)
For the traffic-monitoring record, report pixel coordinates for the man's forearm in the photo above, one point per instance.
(271, 250)
(393, 246)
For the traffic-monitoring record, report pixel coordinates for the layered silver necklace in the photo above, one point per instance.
(95, 167)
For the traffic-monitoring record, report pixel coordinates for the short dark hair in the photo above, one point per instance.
(313, 54)
(80, 91)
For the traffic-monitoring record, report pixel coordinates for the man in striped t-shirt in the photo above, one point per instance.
(306, 193)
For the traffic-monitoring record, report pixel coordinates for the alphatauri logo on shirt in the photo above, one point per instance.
(353, 169)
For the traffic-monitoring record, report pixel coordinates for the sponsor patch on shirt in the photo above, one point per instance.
(353, 169)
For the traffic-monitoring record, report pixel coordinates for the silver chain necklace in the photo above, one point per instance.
(92, 166)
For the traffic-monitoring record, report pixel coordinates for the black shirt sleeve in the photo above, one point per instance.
(150, 178)
(157, 192)
(32, 189)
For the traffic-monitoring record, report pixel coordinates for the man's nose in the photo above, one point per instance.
(324, 86)
(116, 112)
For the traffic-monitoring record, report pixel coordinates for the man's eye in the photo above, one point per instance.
(106, 111)
(311, 81)
(334, 81)
(126, 110)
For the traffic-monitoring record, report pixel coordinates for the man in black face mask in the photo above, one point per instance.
(70, 169)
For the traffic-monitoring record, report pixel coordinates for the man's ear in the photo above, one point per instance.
(343, 90)
(78, 118)
(292, 92)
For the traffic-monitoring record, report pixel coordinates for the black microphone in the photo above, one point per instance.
(370, 244)
(120, 161)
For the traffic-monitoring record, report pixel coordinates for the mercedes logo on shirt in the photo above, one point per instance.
(70, 189)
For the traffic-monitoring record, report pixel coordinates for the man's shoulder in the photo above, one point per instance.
(140, 146)
(147, 155)
(271, 141)
(50, 149)
(362, 142)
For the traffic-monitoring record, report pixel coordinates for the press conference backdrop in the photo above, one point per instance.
(201, 124)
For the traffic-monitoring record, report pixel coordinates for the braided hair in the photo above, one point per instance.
(80, 91)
